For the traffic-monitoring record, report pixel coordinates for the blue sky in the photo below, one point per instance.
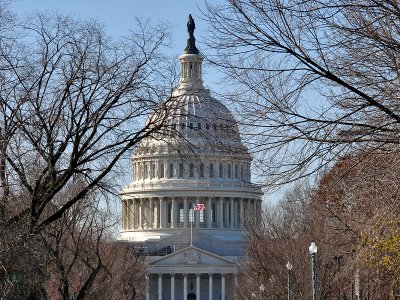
(118, 16)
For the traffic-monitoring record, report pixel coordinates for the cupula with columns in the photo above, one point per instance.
(198, 157)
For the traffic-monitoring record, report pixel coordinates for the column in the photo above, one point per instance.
(222, 286)
(198, 286)
(172, 286)
(130, 215)
(145, 217)
(156, 213)
(232, 213)
(173, 213)
(208, 212)
(185, 286)
(140, 213)
(124, 214)
(159, 286)
(221, 213)
(162, 213)
(226, 213)
(185, 212)
(210, 286)
(241, 212)
(197, 215)
(134, 214)
(151, 213)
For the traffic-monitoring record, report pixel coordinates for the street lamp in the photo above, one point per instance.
(262, 289)
(289, 267)
(313, 252)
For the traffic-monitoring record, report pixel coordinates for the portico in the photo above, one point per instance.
(191, 271)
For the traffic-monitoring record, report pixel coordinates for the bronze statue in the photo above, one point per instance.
(191, 41)
(190, 25)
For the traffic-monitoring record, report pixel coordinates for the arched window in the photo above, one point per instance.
(201, 170)
(199, 126)
(181, 170)
(211, 170)
(153, 170)
(191, 170)
(221, 171)
(236, 171)
(191, 70)
(207, 126)
(171, 170)
(146, 170)
(191, 125)
(229, 171)
(181, 212)
(161, 170)
(169, 212)
(241, 172)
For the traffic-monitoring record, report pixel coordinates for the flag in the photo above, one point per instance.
(199, 206)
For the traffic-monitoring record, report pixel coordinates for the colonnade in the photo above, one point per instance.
(175, 212)
(177, 290)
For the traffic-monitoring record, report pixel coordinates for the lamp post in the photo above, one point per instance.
(262, 289)
(313, 252)
(289, 268)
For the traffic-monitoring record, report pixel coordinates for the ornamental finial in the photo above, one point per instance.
(191, 41)
(191, 25)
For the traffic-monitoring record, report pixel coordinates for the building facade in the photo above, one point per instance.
(190, 193)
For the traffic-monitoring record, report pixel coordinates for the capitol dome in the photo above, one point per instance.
(197, 157)
(191, 189)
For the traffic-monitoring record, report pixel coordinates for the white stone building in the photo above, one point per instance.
(199, 159)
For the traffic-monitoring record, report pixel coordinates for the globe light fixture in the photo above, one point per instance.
(289, 268)
(313, 252)
(262, 290)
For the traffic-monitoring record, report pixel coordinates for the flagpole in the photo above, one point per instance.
(191, 228)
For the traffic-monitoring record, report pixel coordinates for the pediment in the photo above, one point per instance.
(191, 256)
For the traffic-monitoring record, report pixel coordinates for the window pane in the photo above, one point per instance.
(180, 207)
(181, 170)
(161, 170)
(191, 170)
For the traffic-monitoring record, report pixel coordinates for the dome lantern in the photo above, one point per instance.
(191, 62)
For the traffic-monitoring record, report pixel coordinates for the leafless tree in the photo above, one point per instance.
(318, 79)
(284, 236)
(72, 103)
(84, 261)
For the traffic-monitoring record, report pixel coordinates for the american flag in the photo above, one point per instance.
(199, 206)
